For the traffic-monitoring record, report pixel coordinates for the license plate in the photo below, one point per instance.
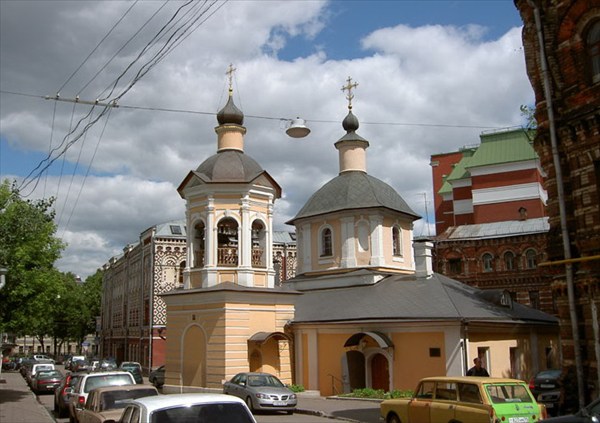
(279, 403)
(50, 386)
(549, 405)
(546, 385)
(518, 420)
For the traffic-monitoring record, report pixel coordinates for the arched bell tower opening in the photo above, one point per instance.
(199, 244)
(227, 242)
(259, 244)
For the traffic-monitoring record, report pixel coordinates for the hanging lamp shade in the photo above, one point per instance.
(298, 128)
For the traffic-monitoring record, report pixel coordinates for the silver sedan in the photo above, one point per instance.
(262, 391)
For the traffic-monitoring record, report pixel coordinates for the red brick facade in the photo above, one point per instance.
(573, 57)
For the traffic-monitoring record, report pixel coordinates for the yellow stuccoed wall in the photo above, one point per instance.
(227, 328)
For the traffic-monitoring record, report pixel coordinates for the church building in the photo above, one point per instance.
(365, 308)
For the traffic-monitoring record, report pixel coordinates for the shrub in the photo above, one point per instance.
(296, 388)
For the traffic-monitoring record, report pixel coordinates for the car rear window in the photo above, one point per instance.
(203, 413)
(120, 399)
(507, 393)
(98, 381)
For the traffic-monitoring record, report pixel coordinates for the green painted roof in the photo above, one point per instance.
(446, 188)
(460, 168)
(503, 147)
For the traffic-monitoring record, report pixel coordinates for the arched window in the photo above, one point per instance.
(488, 262)
(180, 273)
(593, 50)
(509, 260)
(396, 241)
(531, 257)
(258, 244)
(326, 243)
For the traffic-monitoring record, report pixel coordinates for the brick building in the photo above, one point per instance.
(490, 217)
(564, 71)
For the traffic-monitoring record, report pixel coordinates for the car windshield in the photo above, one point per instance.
(264, 380)
(506, 393)
(203, 413)
(113, 400)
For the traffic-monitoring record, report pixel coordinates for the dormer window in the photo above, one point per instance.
(593, 50)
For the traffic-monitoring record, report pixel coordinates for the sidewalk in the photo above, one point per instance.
(18, 404)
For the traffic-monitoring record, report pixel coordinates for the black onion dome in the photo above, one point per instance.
(229, 166)
(350, 122)
(230, 114)
(354, 190)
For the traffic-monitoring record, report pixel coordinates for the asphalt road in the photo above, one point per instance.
(47, 400)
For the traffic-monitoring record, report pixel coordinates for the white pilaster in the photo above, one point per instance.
(377, 256)
(306, 249)
(348, 242)
(210, 235)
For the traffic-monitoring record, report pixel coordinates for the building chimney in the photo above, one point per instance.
(423, 258)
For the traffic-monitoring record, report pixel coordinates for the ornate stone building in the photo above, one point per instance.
(562, 52)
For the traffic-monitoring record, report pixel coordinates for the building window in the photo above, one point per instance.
(326, 245)
(509, 260)
(455, 265)
(397, 241)
(593, 49)
(180, 273)
(488, 262)
(534, 299)
(531, 258)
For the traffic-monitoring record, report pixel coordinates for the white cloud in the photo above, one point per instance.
(419, 76)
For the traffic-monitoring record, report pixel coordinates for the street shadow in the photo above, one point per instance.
(10, 395)
(365, 415)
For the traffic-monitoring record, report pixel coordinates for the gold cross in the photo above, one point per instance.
(229, 73)
(348, 87)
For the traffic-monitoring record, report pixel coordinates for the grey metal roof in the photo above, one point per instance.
(284, 237)
(229, 166)
(353, 190)
(173, 228)
(399, 297)
(497, 229)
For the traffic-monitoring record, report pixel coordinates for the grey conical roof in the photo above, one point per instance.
(354, 190)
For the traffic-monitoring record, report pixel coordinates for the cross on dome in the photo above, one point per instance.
(229, 73)
(348, 87)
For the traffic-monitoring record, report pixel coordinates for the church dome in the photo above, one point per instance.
(230, 114)
(353, 190)
(229, 166)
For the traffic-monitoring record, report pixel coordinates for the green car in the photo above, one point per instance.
(134, 368)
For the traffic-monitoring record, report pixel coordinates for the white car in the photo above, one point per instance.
(197, 408)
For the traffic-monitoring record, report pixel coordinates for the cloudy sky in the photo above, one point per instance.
(432, 76)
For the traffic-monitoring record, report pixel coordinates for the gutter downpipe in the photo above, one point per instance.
(151, 305)
(561, 206)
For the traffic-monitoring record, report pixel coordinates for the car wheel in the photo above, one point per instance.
(393, 419)
(249, 404)
(62, 413)
(55, 406)
(290, 412)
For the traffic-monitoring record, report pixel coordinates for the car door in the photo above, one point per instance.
(418, 407)
(443, 406)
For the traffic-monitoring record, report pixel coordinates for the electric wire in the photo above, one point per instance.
(97, 45)
(50, 144)
(62, 166)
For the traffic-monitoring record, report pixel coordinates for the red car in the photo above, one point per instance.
(46, 381)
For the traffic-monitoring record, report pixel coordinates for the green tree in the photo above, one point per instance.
(28, 249)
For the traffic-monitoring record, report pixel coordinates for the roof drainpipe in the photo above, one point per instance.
(423, 258)
(561, 205)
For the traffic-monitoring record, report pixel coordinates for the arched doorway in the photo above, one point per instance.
(380, 372)
(356, 369)
(193, 359)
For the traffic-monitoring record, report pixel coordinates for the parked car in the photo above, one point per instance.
(134, 368)
(466, 399)
(545, 389)
(157, 377)
(108, 364)
(43, 358)
(26, 364)
(37, 367)
(79, 392)
(81, 366)
(262, 391)
(200, 408)
(71, 360)
(46, 381)
(588, 414)
(61, 395)
(107, 403)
